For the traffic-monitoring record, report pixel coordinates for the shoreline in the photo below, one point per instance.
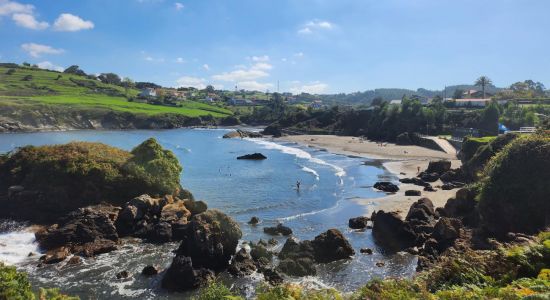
(401, 161)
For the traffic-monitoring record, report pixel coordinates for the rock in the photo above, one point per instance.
(195, 207)
(453, 175)
(358, 223)
(122, 275)
(293, 248)
(439, 166)
(97, 247)
(447, 229)
(415, 181)
(380, 264)
(447, 186)
(387, 187)
(85, 226)
(175, 212)
(161, 233)
(366, 251)
(255, 156)
(74, 260)
(280, 229)
(463, 204)
(272, 276)
(302, 266)
(242, 264)
(391, 232)
(412, 250)
(181, 276)
(421, 211)
(331, 246)
(274, 130)
(149, 271)
(242, 134)
(55, 255)
(429, 188)
(185, 194)
(137, 210)
(254, 221)
(412, 193)
(212, 238)
(258, 251)
(428, 177)
(272, 242)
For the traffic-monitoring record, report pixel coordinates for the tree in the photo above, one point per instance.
(483, 81)
(127, 83)
(74, 69)
(458, 94)
(110, 78)
(489, 119)
(209, 89)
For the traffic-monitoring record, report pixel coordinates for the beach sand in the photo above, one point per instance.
(402, 161)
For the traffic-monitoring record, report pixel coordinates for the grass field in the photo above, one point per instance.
(53, 88)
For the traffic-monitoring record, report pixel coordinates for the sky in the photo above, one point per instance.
(315, 46)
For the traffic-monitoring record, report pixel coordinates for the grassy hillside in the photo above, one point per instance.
(53, 88)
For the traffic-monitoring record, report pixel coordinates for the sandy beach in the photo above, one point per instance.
(402, 161)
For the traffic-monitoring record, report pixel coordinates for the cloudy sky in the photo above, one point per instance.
(316, 46)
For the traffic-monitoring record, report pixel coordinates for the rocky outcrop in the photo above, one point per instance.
(254, 156)
(439, 166)
(273, 130)
(358, 223)
(242, 264)
(298, 258)
(242, 134)
(280, 229)
(415, 181)
(183, 276)
(386, 186)
(87, 232)
(391, 232)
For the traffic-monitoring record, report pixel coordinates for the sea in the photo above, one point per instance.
(330, 184)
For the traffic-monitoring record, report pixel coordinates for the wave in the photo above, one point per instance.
(311, 171)
(15, 246)
(309, 213)
(340, 172)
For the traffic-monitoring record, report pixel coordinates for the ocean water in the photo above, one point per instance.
(240, 188)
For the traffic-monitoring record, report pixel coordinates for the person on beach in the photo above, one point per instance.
(418, 170)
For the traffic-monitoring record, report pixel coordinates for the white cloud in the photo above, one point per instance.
(261, 66)
(188, 81)
(69, 22)
(206, 67)
(254, 85)
(36, 50)
(29, 21)
(283, 59)
(180, 60)
(262, 58)
(153, 59)
(312, 88)
(315, 26)
(178, 6)
(299, 54)
(49, 66)
(241, 75)
(8, 8)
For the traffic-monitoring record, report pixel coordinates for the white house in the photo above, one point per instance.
(148, 92)
(472, 102)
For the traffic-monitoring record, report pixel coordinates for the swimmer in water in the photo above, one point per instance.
(298, 183)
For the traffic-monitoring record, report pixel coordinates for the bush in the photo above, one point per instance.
(515, 190)
(27, 78)
(486, 149)
(296, 292)
(216, 291)
(10, 71)
(14, 285)
(392, 289)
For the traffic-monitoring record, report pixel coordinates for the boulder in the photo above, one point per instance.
(160, 233)
(358, 223)
(462, 204)
(439, 166)
(453, 175)
(254, 221)
(293, 249)
(242, 264)
(421, 211)
(97, 247)
(88, 228)
(272, 276)
(447, 229)
(412, 193)
(415, 181)
(149, 271)
(175, 212)
(447, 186)
(391, 232)
(302, 266)
(55, 255)
(182, 276)
(122, 275)
(366, 251)
(212, 238)
(429, 188)
(254, 156)
(258, 251)
(140, 208)
(331, 246)
(386, 186)
(195, 207)
(280, 229)
(274, 130)
(428, 177)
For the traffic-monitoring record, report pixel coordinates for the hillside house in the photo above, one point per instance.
(148, 93)
(316, 104)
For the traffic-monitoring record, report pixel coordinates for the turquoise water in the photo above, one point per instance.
(240, 188)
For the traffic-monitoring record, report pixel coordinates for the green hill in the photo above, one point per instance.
(26, 87)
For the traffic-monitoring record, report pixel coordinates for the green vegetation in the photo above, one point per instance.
(216, 291)
(476, 152)
(79, 174)
(515, 189)
(15, 285)
(83, 93)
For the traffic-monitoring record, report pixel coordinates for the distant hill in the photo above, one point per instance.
(29, 86)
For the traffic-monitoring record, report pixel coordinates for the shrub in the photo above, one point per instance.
(14, 285)
(10, 71)
(27, 78)
(296, 292)
(216, 291)
(392, 289)
(515, 190)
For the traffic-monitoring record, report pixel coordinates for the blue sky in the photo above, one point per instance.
(316, 46)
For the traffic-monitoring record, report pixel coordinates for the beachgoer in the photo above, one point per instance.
(417, 169)
(298, 184)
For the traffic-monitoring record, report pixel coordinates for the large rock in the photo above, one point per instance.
(242, 264)
(254, 156)
(195, 207)
(391, 232)
(358, 223)
(386, 186)
(141, 208)
(86, 228)
(212, 238)
(280, 229)
(447, 229)
(415, 193)
(439, 166)
(415, 181)
(421, 211)
(428, 177)
(301, 266)
(331, 246)
(183, 276)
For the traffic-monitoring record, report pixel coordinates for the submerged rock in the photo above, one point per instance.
(255, 156)
(149, 271)
(254, 221)
(358, 223)
(280, 229)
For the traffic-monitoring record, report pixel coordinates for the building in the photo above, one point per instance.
(148, 93)
(316, 104)
(471, 102)
(240, 102)
(475, 94)
(395, 102)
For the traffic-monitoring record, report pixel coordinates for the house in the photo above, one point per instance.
(475, 94)
(240, 102)
(316, 104)
(395, 102)
(471, 102)
(148, 93)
